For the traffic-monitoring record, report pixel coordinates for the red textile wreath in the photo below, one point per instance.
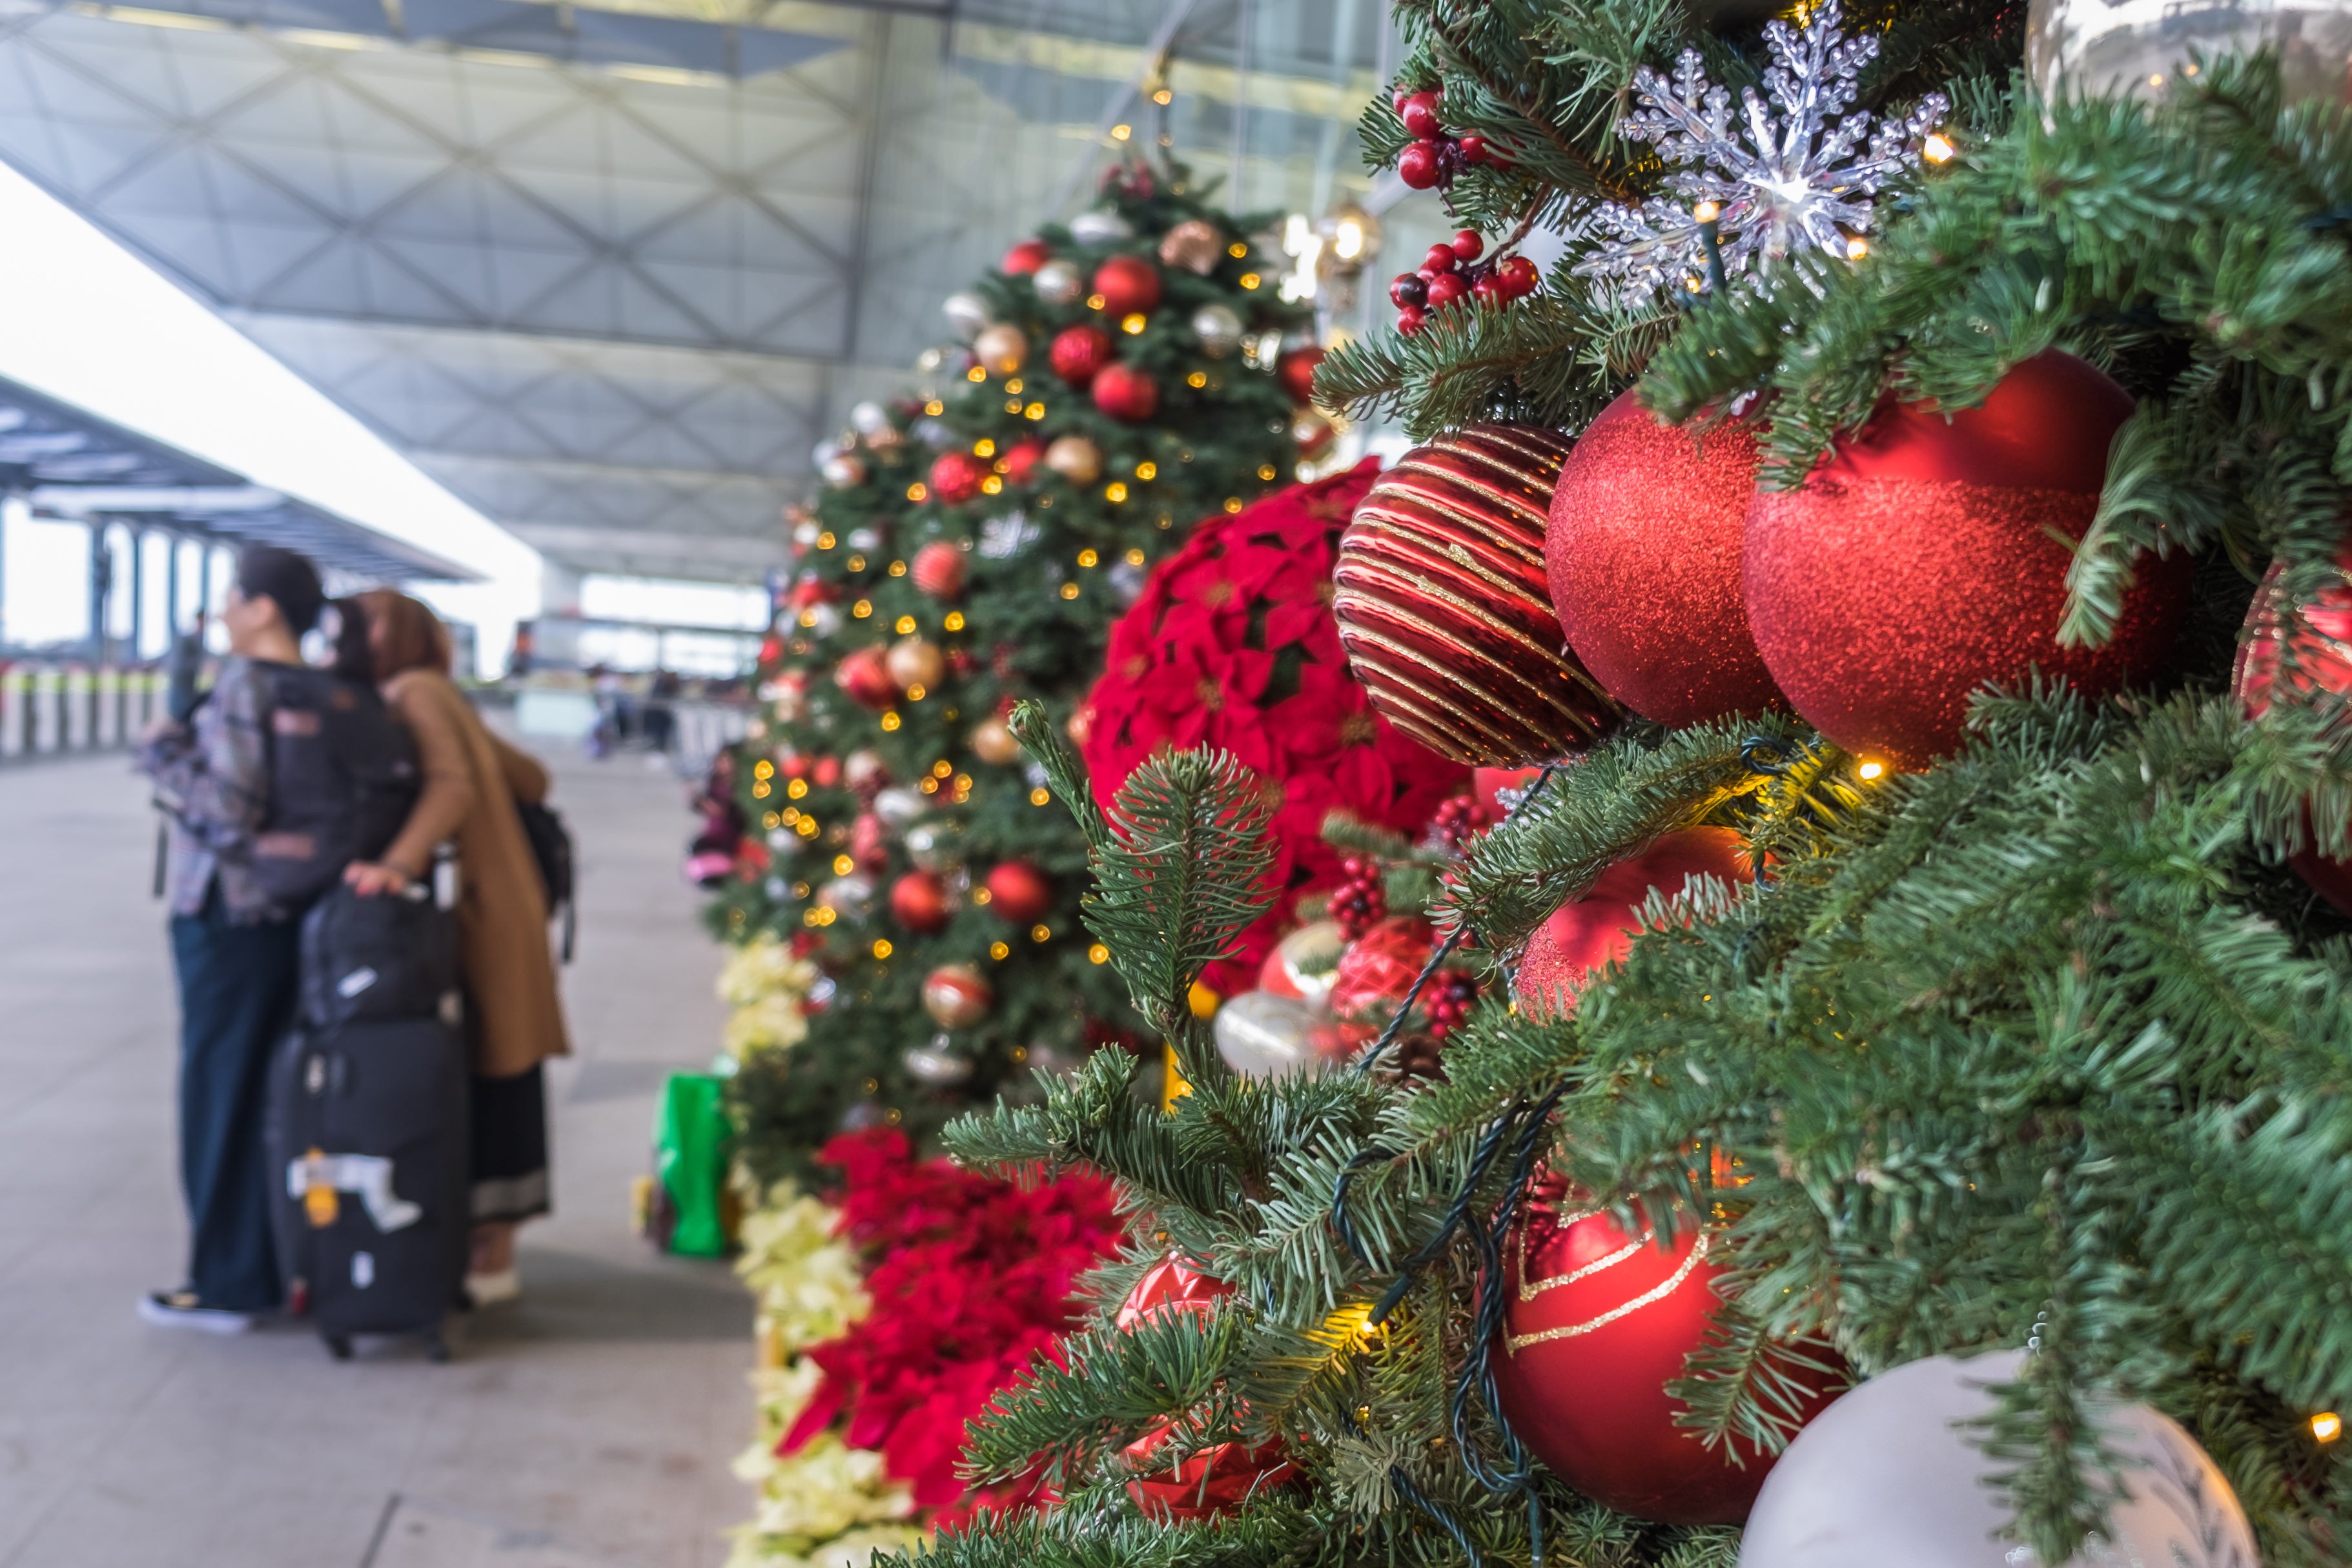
(1233, 645)
(971, 1279)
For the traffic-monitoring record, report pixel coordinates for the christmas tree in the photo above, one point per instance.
(1121, 378)
(1944, 955)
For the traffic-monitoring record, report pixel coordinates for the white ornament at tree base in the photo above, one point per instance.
(1887, 1478)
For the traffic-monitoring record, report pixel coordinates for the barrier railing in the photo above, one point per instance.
(50, 710)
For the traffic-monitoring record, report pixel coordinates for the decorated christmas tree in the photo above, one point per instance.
(1119, 379)
(1899, 552)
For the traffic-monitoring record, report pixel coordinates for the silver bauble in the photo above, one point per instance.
(1309, 957)
(1126, 581)
(843, 470)
(898, 807)
(934, 1065)
(1218, 329)
(1100, 227)
(1261, 1035)
(966, 312)
(931, 845)
(869, 417)
(849, 896)
(864, 539)
(1060, 282)
(1887, 1476)
(783, 843)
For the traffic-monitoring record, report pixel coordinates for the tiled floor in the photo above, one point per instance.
(588, 1424)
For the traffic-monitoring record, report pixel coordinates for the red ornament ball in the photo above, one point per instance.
(870, 842)
(1128, 284)
(1585, 933)
(1379, 968)
(1021, 460)
(1019, 893)
(1441, 604)
(1916, 564)
(919, 901)
(1079, 353)
(2322, 649)
(1233, 645)
(1027, 256)
(1296, 371)
(1643, 559)
(938, 570)
(956, 476)
(957, 996)
(1595, 1323)
(1126, 393)
(1216, 1480)
(864, 673)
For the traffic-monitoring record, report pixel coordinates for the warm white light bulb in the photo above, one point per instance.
(1939, 148)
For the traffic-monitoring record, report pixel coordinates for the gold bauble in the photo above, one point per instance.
(992, 742)
(1002, 349)
(912, 662)
(1074, 459)
(1195, 245)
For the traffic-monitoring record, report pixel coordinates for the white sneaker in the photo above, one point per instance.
(182, 1310)
(490, 1290)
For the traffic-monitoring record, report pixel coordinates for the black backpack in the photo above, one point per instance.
(551, 846)
(344, 776)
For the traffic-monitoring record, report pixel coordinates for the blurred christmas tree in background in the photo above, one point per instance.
(1119, 379)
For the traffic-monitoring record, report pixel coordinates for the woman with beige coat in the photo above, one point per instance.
(472, 780)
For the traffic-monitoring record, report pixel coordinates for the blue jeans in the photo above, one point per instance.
(236, 1001)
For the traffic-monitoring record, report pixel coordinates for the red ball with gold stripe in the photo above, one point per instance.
(1596, 1324)
(1444, 608)
(1212, 1480)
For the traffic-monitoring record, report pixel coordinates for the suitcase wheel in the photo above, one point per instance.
(339, 1345)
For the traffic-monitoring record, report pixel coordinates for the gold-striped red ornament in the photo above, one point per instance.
(1443, 607)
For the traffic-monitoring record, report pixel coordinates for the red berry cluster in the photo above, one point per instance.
(1452, 272)
(1360, 902)
(1434, 158)
(1447, 1001)
(1458, 820)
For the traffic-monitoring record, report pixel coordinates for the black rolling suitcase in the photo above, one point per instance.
(367, 1125)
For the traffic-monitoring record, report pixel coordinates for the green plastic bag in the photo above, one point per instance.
(691, 1135)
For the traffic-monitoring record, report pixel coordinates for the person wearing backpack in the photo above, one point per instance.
(477, 788)
(234, 936)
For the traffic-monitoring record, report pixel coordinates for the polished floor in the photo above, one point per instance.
(587, 1426)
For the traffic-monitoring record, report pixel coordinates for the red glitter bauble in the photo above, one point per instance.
(2323, 666)
(1231, 645)
(1126, 393)
(1127, 283)
(1079, 353)
(939, 569)
(1170, 1286)
(1643, 559)
(1595, 1324)
(1916, 564)
(870, 842)
(1018, 893)
(1379, 968)
(1443, 610)
(956, 476)
(1585, 933)
(865, 675)
(1295, 371)
(1021, 460)
(919, 901)
(1027, 256)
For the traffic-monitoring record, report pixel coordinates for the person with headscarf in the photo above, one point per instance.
(472, 780)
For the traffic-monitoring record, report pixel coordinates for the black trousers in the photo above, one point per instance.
(236, 1001)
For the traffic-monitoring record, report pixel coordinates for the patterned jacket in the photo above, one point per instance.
(212, 775)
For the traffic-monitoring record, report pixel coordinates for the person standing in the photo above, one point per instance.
(234, 947)
(472, 780)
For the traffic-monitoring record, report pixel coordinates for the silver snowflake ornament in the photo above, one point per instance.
(1789, 178)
